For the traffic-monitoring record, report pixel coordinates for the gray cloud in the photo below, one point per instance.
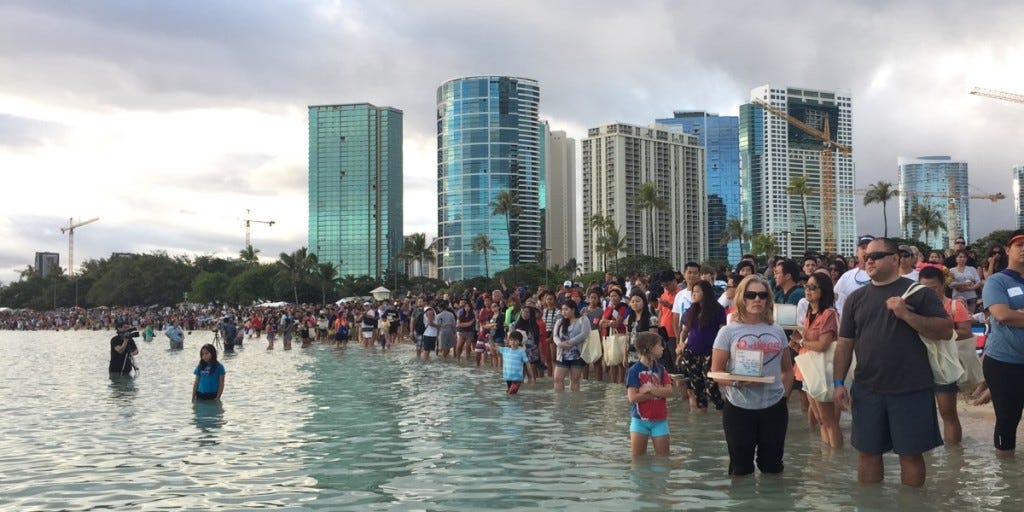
(597, 62)
(23, 132)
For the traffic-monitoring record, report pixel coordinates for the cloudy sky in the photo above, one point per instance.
(170, 119)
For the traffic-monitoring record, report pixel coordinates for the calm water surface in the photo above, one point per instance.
(355, 429)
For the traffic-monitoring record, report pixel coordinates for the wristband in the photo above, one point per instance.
(838, 383)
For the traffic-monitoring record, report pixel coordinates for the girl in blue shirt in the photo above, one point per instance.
(209, 383)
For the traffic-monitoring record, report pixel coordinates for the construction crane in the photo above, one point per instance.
(70, 230)
(827, 170)
(999, 95)
(248, 229)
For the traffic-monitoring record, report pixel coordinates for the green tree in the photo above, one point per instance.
(643, 263)
(415, 248)
(506, 203)
(325, 275)
(647, 200)
(482, 243)
(256, 283)
(210, 287)
(294, 269)
(882, 192)
(766, 244)
(798, 187)
(926, 220)
(612, 243)
(248, 255)
(599, 225)
(736, 229)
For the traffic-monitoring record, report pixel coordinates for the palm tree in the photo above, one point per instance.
(417, 249)
(325, 275)
(735, 229)
(798, 187)
(766, 244)
(647, 199)
(881, 192)
(482, 243)
(295, 268)
(925, 220)
(599, 224)
(507, 203)
(613, 242)
(248, 255)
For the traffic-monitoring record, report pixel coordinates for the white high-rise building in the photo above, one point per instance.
(617, 159)
(1018, 198)
(559, 201)
(772, 152)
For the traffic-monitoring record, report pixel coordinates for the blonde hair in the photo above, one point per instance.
(741, 315)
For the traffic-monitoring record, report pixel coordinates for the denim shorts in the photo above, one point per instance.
(571, 363)
(648, 428)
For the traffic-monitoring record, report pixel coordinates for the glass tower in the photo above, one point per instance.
(721, 141)
(488, 142)
(355, 187)
(940, 184)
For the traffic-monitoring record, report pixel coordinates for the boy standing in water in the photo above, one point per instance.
(514, 358)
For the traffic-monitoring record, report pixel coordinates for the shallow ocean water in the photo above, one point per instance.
(357, 429)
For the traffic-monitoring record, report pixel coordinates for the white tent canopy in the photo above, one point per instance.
(380, 293)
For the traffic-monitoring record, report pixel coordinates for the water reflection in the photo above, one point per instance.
(208, 418)
(363, 430)
(122, 388)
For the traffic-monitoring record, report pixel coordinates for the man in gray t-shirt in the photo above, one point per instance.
(893, 402)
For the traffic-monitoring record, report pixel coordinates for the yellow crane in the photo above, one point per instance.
(999, 95)
(248, 221)
(828, 146)
(70, 230)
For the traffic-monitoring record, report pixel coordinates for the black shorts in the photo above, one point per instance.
(572, 363)
(906, 424)
(429, 343)
(206, 396)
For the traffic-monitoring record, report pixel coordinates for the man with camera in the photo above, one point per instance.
(123, 348)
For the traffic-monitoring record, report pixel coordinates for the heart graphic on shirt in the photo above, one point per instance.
(766, 342)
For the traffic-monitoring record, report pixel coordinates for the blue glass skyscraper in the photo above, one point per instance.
(720, 137)
(355, 187)
(488, 142)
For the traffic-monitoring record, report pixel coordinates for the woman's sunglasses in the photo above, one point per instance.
(755, 295)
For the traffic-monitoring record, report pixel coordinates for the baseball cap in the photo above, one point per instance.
(1014, 236)
(567, 284)
(865, 239)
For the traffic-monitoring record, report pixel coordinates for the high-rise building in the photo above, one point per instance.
(46, 262)
(617, 160)
(1018, 198)
(720, 137)
(773, 152)
(488, 142)
(939, 184)
(355, 187)
(559, 198)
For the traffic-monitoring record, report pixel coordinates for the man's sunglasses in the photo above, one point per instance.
(755, 295)
(875, 256)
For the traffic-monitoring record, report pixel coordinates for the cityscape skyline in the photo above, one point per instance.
(171, 123)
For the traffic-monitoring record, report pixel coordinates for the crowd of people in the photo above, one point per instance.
(710, 336)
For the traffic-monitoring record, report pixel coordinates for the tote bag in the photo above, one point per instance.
(591, 351)
(614, 349)
(942, 354)
(966, 350)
